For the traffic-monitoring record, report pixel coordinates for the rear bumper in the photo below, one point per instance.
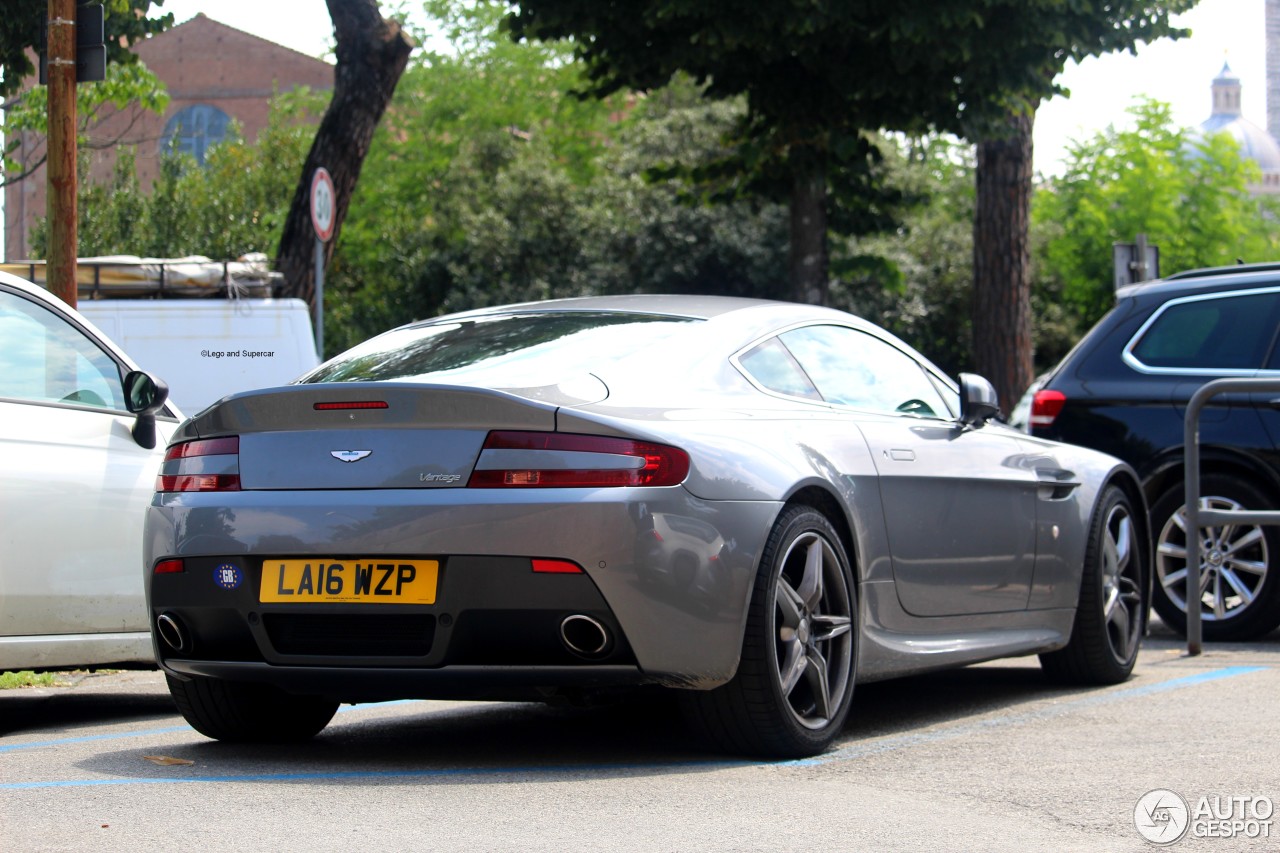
(674, 606)
(345, 684)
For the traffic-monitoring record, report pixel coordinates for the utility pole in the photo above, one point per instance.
(60, 270)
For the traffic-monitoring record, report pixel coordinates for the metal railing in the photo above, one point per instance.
(1199, 517)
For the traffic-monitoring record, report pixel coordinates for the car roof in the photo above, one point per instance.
(1207, 280)
(680, 305)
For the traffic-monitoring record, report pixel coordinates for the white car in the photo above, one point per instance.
(82, 438)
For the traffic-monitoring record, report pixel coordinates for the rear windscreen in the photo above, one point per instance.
(507, 350)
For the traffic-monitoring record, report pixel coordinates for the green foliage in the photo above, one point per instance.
(1187, 192)
(917, 280)
(27, 678)
(123, 21)
(234, 205)
(124, 85)
(537, 215)
(817, 75)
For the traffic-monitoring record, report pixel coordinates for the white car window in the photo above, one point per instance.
(46, 359)
(852, 368)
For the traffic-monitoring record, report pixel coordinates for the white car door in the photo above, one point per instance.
(75, 486)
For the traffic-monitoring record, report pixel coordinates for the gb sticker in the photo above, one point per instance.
(228, 576)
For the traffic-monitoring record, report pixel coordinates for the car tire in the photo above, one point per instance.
(791, 694)
(249, 713)
(1112, 611)
(1234, 559)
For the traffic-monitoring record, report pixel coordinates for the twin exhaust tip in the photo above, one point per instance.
(171, 631)
(585, 636)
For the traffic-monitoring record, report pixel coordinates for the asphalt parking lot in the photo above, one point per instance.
(987, 758)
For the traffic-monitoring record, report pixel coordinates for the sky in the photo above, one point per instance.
(1102, 88)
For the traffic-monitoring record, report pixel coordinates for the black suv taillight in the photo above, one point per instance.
(1045, 406)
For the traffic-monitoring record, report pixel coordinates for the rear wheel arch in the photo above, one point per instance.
(1212, 463)
(822, 500)
(1134, 490)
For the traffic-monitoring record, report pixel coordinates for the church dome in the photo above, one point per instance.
(1255, 143)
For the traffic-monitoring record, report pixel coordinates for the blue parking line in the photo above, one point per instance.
(848, 753)
(41, 744)
(889, 744)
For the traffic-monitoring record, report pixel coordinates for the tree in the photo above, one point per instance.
(1044, 35)
(917, 281)
(1189, 193)
(234, 204)
(817, 75)
(124, 22)
(372, 53)
(489, 182)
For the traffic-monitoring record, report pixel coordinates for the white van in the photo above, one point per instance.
(207, 328)
(206, 349)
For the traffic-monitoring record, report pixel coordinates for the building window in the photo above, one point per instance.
(194, 130)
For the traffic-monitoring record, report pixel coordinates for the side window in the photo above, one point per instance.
(1224, 333)
(852, 368)
(773, 366)
(46, 359)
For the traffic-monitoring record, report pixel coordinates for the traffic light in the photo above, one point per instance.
(91, 48)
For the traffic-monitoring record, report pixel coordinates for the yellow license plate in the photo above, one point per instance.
(372, 581)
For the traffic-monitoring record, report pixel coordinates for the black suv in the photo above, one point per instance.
(1124, 389)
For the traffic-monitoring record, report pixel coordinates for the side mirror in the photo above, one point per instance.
(978, 400)
(144, 395)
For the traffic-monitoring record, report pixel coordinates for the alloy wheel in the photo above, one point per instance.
(1233, 563)
(814, 640)
(1121, 576)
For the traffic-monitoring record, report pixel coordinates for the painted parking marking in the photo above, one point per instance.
(895, 742)
(849, 753)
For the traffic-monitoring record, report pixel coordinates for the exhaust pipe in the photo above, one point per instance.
(171, 631)
(585, 636)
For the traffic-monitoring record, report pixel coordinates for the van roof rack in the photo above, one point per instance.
(132, 277)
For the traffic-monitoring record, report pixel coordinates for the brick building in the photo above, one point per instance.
(215, 74)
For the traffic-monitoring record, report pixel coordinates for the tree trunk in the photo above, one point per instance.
(372, 54)
(809, 236)
(1001, 261)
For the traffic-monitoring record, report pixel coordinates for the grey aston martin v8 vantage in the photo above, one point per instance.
(755, 504)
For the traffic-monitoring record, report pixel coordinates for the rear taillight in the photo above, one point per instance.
(1045, 406)
(204, 465)
(559, 460)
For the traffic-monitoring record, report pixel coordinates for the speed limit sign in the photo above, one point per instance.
(322, 204)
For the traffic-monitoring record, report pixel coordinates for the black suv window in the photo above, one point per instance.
(1233, 331)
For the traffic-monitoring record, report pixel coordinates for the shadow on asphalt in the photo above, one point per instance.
(452, 744)
(55, 709)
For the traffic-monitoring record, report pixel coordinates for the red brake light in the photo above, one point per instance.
(513, 459)
(556, 567)
(1045, 406)
(169, 567)
(353, 404)
(204, 465)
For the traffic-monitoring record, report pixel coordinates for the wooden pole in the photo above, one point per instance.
(61, 268)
